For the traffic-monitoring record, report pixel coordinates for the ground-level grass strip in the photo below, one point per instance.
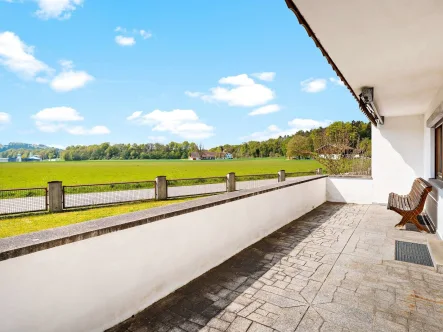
(33, 223)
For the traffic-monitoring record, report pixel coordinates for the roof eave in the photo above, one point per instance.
(310, 32)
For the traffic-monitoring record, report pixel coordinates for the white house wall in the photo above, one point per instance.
(349, 190)
(96, 283)
(397, 155)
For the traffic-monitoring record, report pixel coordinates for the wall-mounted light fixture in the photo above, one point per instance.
(367, 98)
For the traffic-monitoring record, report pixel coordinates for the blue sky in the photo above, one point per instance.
(212, 72)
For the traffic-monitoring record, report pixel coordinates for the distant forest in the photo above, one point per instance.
(358, 134)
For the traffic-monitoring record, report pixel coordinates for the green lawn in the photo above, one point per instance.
(37, 222)
(22, 175)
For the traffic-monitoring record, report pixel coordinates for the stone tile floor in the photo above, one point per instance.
(331, 270)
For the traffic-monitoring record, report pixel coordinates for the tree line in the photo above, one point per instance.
(358, 134)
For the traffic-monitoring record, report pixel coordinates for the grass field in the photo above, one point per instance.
(22, 175)
(13, 226)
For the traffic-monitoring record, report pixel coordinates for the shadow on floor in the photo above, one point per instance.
(216, 297)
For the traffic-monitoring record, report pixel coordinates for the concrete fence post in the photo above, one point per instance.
(161, 188)
(230, 182)
(319, 171)
(281, 176)
(55, 196)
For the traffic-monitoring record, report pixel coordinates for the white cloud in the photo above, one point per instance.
(124, 41)
(265, 76)
(134, 115)
(193, 94)
(245, 93)
(59, 9)
(336, 81)
(145, 34)
(120, 29)
(307, 124)
(265, 110)
(183, 123)
(271, 131)
(156, 139)
(54, 119)
(58, 114)
(70, 80)
(313, 85)
(241, 79)
(80, 130)
(4, 118)
(295, 125)
(19, 58)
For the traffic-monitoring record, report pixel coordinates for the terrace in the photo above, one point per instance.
(315, 253)
(331, 270)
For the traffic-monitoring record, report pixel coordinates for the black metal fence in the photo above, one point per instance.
(196, 186)
(107, 193)
(23, 200)
(243, 182)
(75, 196)
(298, 174)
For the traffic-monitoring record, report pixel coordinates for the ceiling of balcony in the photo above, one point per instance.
(396, 46)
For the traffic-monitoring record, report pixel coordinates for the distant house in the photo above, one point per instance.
(32, 158)
(194, 156)
(228, 156)
(336, 151)
(205, 155)
(11, 159)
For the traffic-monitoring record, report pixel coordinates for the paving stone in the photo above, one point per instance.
(218, 324)
(250, 309)
(330, 270)
(382, 325)
(256, 327)
(311, 321)
(229, 317)
(240, 324)
(267, 321)
(281, 301)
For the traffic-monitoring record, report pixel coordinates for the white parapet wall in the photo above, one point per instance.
(93, 284)
(349, 190)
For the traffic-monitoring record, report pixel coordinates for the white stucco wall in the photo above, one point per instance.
(397, 155)
(349, 190)
(96, 283)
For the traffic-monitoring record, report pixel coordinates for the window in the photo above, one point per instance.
(438, 152)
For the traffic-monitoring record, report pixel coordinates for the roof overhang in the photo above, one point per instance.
(394, 46)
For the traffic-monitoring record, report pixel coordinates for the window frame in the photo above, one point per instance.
(438, 150)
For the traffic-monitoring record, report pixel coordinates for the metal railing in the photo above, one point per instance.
(196, 186)
(252, 181)
(58, 197)
(107, 193)
(298, 174)
(23, 200)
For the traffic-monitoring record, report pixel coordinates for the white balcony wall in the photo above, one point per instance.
(96, 283)
(397, 155)
(349, 190)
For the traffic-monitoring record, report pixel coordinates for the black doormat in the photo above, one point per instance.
(413, 253)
